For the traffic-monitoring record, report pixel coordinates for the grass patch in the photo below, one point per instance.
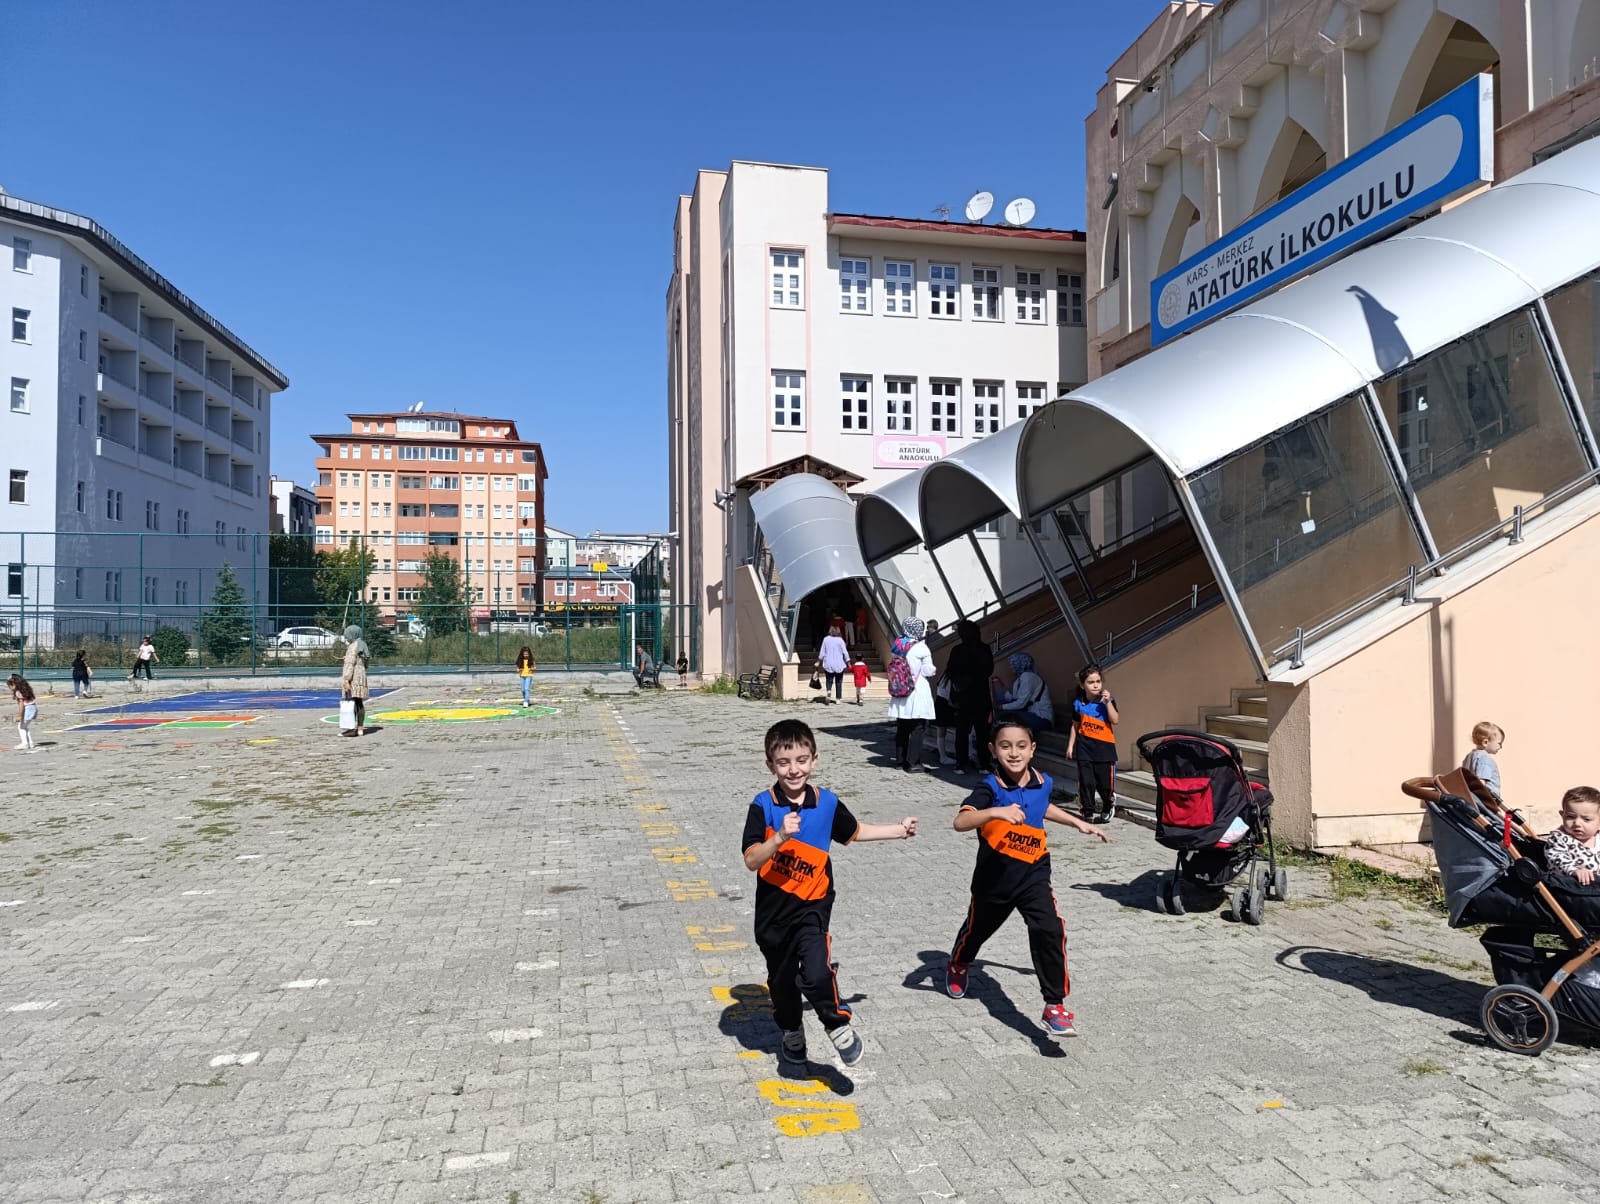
(722, 685)
(1357, 880)
(1426, 1067)
(212, 804)
(217, 831)
(216, 1080)
(1384, 923)
(1433, 959)
(6, 837)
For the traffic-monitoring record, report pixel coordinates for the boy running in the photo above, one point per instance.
(1013, 871)
(786, 838)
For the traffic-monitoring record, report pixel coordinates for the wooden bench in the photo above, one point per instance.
(758, 685)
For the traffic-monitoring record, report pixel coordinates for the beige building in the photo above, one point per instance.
(860, 348)
(416, 482)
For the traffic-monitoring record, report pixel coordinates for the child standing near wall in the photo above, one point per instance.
(1487, 739)
(1092, 745)
(862, 676)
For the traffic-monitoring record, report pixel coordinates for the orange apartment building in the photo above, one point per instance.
(415, 482)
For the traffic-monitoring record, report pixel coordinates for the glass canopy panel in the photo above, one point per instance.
(1575, 314)
(1308, 522)
(1482, 428)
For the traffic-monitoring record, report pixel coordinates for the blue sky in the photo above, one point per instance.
(471, 205)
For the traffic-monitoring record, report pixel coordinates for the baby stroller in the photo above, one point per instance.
(1217, 819)
(1493, 870)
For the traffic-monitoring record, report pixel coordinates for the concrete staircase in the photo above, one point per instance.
(1243, 724)
(877, 691)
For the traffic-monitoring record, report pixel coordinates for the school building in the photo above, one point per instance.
(1331, 487)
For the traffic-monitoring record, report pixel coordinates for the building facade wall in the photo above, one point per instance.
(1215, 112)
(870, 373)
(144, 429)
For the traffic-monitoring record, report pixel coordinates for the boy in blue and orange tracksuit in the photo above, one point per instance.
(1009, 808)
(787, 833)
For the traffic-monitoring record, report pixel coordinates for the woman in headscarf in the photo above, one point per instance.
(911, 712)
(353, 684)
(1028, 698)
(969, 668)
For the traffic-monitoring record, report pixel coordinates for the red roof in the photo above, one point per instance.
(909, 223)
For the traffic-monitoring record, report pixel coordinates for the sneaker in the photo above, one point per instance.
(847, 1043)
(792, 1054)
(1058, 1021)
(955, 981)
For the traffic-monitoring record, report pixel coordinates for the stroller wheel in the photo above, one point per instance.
(1236, 905)
(1280, 885)
(1519, 1020)
(1255, 904)
(1175, 896)
(1161, 898)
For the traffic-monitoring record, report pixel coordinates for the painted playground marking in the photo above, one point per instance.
(439, 712)
(189, 723)
(234, 700)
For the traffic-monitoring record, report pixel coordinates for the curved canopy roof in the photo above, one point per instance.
(1232, 383)
(970, 487)
(887, 520)
(809, 525)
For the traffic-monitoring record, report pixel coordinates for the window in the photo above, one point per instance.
(788, 401)
(411, 482)
(151, 585)
(444, 453)
(221, 534)
(19, 486)
(448, 483)
(788, 273)
(855, 394)
(83, 345)
(855, 286)
(413, 510)
(114, 587)
(78, 497)
(19, 325)
(183, 522)
(943, 287)
(152, 515)
(180, 593)
(607, 589)
(1030, 397)
(83, 291)
(986, 401)
(899, 288)
(1030, 296)
(527, 485)
(324, 535)
(81, 400)
(13, 580)
(411, 451)
(22, 255)
(344, 451)
(1069, 299)
(77, 583)
(899, 404)
(19, 395)
(944, 407)
(986, 294)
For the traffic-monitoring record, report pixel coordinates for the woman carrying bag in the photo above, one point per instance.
(353, 685)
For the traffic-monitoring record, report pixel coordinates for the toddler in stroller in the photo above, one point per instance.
(1217, 820)
(1495, 871)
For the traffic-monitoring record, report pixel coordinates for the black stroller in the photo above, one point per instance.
(1217, 819)
(1493, 870)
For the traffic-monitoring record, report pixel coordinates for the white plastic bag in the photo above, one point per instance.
(347, 714)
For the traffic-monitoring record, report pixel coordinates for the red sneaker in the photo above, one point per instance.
(1058, 1021)
(955, 981)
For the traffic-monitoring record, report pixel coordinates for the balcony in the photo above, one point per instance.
(116, 451)
(115, 389)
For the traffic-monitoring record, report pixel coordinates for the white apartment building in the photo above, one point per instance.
(134, 416)
(856, 347)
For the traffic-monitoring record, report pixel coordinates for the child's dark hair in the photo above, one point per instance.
(790, 733)
(1581, 794)
(20, 684)
(1005, 721)
(1083, 676)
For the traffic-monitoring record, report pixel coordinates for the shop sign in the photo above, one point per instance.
(907, 451)
(1443, 151)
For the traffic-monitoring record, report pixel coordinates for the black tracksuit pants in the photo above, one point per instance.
(1097, 778)
(802, 947)
(1047, 935)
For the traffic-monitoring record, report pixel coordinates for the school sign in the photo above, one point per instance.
(1442, 151)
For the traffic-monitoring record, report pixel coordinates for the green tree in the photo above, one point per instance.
(341, 584)
(442, 599)
(379, 636)
(291, 579)
(172, 646)
(225, 628)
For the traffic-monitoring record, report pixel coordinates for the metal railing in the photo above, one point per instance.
(1403, 589)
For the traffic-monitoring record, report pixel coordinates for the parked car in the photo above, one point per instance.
(306, 637)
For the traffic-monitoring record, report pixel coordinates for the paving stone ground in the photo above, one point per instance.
(512, 962)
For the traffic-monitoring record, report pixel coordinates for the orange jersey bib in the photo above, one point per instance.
(1096, 729)
(797, 868)
(1020, 841)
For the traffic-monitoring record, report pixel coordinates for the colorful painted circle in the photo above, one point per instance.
(453, 714)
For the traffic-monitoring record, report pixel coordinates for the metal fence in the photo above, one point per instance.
(238, 603)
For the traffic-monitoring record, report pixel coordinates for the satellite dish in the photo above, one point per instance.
(978, 207)
(1019, 212)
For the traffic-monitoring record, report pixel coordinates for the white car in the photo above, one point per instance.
(305, 637)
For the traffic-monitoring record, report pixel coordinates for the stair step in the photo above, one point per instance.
(1137, 802)
(1255, 704)
(1238, 727)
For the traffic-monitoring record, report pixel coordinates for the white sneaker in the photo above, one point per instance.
(20, 748)
(847, 1044)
